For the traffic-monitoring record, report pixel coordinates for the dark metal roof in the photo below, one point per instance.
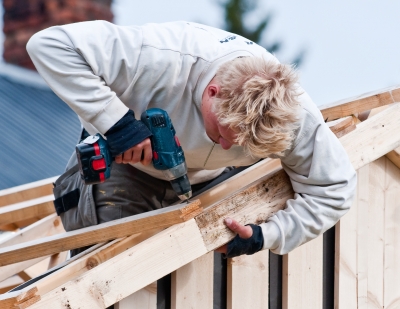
(38, 131)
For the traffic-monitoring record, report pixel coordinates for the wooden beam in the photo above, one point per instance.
(35, 208)
(99, 233)
(361, 103)
(26, 192)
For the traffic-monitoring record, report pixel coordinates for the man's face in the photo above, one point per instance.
(219, 134)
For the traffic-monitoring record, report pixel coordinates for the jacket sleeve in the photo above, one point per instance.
(88, 66)
(323, 180)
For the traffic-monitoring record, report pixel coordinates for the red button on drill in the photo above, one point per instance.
(98, 165)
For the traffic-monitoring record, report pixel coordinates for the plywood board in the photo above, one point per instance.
(302, 276)
(391, 297)
(192, 284)
(145, 298)
(247, 285)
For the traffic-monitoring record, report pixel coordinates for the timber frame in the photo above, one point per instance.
(131, 254)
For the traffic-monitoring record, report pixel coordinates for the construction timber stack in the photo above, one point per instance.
(129, 255)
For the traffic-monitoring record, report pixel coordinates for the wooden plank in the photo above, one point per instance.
(99, 233)
(362, 239)
(361, 103)
(374, 137)
(392, 241)
(376, 233)
(26, 192)
(145, 298)
(192, 284)
(247, 285)
(302, 276)
(35, 208)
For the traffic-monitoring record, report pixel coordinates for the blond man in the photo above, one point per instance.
(231, 102)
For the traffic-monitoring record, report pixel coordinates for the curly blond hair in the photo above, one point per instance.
(258, 100)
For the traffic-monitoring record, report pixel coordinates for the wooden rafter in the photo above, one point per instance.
(361, 103)
(161, 218)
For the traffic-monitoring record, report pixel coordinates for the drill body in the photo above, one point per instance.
(95, 160)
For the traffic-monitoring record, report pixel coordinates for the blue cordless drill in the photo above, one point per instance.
(95, 160)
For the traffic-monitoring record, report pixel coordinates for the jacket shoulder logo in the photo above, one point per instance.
(227, 39)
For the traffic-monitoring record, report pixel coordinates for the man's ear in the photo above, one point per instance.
(213, 89)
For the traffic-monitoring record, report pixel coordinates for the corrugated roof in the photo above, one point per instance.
(38, 131)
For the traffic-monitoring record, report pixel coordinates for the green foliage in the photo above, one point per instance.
(236, 12)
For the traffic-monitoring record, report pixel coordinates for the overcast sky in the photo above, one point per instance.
(351, 46)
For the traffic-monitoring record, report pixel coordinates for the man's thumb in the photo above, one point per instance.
(243, 231)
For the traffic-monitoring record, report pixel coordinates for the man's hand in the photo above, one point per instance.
(141, 152)
(244, 232)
